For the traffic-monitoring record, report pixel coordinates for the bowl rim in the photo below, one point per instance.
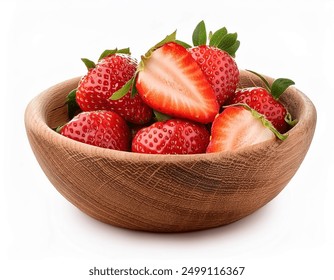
(34, 114)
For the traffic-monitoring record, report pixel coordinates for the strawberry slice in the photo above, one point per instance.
(170, 81)
(238, 127)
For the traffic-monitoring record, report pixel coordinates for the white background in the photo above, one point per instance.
(42, 236)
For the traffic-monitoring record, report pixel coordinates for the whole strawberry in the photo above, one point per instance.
(174, 136)
(217, 59)
(98, 128)
(265, 100)
(113, 70)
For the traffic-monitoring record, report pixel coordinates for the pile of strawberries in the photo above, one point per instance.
(179, 99)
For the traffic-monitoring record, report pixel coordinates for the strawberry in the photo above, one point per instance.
(238, 127)
(217, 59)
(265, 101)
(169, 80)
(112, 72)
(98, 128)
(173, 136)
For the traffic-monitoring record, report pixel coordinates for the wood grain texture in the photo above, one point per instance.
(166, 193)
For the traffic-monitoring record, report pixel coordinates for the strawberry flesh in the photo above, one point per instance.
(171, 82)
(236, 128)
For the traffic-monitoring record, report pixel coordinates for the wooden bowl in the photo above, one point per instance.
(166, 193)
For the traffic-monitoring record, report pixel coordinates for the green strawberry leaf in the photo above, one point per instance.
(233, 49)
(227, 41)
(279, 86)
(217, 37)
(210, 35)
(125, 51)
(106, 53)
(169, 38)
(289, 120)
(72, 105)
(58, 128)
(123, 90)
(134, 90)
(160, 117)
(267, 86)
(89, 64)
(199, 36)
(114, 51)
(183, 44)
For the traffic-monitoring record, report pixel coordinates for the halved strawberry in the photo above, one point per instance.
(170, 81)
(238, 127)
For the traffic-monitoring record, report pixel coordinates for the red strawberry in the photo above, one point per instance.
(238, 127)
(110, 74)
(265, 101)
(98, 128)
(173, 136)
(170, 81)
(216, 60)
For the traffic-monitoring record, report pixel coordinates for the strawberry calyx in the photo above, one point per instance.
(88, 63)
(72, 106)
(130, 84)
(220, 39)
(262, 118)
(277, 88)
(106, 53)
(59, 128)
(160, 117)
(288, 119)
(91, 64)
(169, 38)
